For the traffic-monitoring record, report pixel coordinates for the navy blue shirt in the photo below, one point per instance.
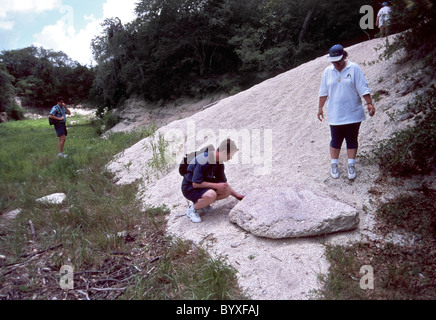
(202, 169)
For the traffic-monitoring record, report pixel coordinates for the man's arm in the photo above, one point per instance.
(210, 185)
(236, 195)
(57, 111)
(67, 111)
(56, 118)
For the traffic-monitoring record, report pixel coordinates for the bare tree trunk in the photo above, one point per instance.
(307, 21)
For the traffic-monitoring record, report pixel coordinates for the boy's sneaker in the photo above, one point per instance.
(193, 215)
(351, 172)
(334, 171)
(61, 155)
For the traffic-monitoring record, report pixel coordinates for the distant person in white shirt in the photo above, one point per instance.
(383, 19)
(342, 86)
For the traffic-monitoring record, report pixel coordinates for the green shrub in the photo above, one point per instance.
(413, 149)
(15, 112)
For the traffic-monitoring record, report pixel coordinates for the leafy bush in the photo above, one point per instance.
(413, 149)
(15, 112)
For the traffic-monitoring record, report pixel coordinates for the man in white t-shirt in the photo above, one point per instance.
(383, 19)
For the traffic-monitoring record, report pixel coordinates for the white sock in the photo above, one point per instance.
(335, 161)
(351, 161)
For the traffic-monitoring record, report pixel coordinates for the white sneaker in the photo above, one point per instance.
(351, 172)
(61, 155)
(334, 171)
(193, 215)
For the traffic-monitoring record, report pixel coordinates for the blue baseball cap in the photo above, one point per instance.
(336, 53)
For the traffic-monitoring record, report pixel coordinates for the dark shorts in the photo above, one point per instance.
(349, 132)
(61, 129)
(192, 194)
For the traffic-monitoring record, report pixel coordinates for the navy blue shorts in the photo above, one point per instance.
(191, 193)
(349, 132)
(61, 129)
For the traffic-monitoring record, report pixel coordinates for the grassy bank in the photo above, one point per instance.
(116, 250)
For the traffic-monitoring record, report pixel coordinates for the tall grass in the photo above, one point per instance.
(99, 227)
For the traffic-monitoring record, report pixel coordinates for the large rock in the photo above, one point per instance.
(289, 213)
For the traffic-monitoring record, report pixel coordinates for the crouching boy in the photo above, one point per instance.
(205, 181)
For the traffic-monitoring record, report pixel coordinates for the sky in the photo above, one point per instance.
(60, 25)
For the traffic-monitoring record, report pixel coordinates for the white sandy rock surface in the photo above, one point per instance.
(282, 144)
(286, 212)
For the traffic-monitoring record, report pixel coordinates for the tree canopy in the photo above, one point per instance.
(38, 76)
(192, 48)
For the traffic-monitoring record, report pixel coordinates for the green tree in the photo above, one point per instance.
(6, 88)
(192, 47)
(39, 75)
(110, 52)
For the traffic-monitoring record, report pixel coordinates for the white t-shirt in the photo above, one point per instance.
(344, 90)
(385, 15)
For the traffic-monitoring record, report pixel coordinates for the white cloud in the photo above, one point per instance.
(125, 10)
(21, 6)
(7, 25)
(63, 35)
(8, 7)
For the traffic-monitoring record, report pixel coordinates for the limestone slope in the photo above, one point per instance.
(282, 143)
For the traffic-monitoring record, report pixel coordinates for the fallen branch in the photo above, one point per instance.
(107, 289)
(31, 257)
(43, 251)
(154, 260)
(148, 273)
(84, 293)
